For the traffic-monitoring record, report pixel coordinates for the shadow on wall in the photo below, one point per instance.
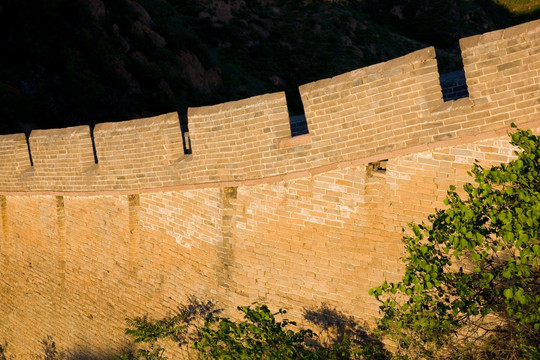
(337, 328)
(50, 351)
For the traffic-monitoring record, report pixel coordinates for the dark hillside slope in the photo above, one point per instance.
(69, 62)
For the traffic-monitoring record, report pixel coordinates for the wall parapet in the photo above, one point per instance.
(383, 108)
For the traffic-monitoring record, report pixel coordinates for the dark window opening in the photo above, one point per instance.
(454, 85)
(27, 137)
(451, 73)
(298, 125)
(93, 142)
(186, 141)
(297, 118)
(378, 167)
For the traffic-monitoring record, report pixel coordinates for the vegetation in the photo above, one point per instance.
(183, 328)
(471, 287)
(262, 334)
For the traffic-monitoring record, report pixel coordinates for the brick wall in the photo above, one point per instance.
(252, 213)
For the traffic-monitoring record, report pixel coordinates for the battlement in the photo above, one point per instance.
(369, 113)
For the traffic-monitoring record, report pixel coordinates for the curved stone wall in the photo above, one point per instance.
(252, 213)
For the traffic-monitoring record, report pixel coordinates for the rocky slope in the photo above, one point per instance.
(68, 62)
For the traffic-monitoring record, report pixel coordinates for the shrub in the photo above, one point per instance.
(471, 283)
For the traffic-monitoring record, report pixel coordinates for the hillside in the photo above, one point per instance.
(69, 62)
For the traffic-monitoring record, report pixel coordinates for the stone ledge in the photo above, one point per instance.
(295, 141)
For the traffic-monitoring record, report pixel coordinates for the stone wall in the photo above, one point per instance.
(252, 213)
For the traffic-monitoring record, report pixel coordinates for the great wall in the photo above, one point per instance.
(96, 227)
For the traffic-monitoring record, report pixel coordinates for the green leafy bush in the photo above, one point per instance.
(471, 284)
(260, 336)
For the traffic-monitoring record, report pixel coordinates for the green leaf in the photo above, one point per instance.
(508, 293)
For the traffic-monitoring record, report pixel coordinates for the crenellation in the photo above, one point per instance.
(14, 158)
(235, 138)
(139, 143)
(494, 58)
(61, 153)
